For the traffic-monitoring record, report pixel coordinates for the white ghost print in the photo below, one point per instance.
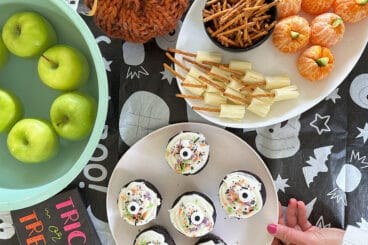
(359, 90)
(169, 40)
(102, 229)
(280, 140)
(7, 230)
(141, 114)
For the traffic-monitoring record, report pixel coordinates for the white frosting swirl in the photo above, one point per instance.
(138, 204)
(211, 243)
(187, 152)
(192, 215)
(240, 195)
(150, 237)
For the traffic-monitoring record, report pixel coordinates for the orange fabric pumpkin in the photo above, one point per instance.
(138, 20)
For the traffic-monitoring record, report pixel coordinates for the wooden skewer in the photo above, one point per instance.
(200, 108)
(209, 82)
(168, 55)
(203, 67)
(178, 75)
(178, 51)
(192, 85)
(187, 96)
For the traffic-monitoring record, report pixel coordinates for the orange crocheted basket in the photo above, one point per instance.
(137, 20)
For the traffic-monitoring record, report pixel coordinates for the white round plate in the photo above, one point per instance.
(146, 160)
(269, 61)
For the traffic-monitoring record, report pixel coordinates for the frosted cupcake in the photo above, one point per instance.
(210, 240)
(139, 202)
(155, 235)
(241, 194)
(187, 153)
(193, 214)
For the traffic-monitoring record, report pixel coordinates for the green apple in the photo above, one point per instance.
(63, 68)
(33, 141)
(11, 110)
(4, 53)
(73, 115)
(28, 34)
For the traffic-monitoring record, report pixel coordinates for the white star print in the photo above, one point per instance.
(316, 124)
(334, 96)
(107, 64)
(167, 75)
(363, 224)
(363, 133)
(280, 184)
(321, 223)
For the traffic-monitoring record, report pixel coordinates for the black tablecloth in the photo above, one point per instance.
(319, 157)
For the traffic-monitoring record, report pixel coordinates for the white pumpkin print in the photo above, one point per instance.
(280, 140)
(141, 114)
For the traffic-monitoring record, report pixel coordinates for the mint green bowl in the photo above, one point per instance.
(22, 185)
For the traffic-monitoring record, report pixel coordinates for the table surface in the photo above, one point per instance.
(319, 157)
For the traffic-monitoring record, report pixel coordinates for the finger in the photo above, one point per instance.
(302, 217)
(281, 215)
(288, 235)
(275, 242)
(291, 213)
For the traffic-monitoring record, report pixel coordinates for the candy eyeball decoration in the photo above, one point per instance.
(241, 195)
(187, 153)
(193, 214)
(139, 202)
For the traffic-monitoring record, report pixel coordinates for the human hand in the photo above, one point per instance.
(299, 231)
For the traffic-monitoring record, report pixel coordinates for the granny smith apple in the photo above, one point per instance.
(63, 68)
(4, 53)
(11, 110)
(28, 34)
(73, 115)
(32, 141)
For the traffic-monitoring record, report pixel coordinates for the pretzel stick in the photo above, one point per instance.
(215, 15)
(178, 75)
(203, 67)
(178, 51)
(239, 80)
(234, 9)
(200, 108)
(241, 100)
(211, 63)
(260, 95)
(209, 82)
(219, 77)
(251, 86)
(235, 72)
(209, 3)
(218, 31)
(168, 55)
(192, 85)
(187, 96)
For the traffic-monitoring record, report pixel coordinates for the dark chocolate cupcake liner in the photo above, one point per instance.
(208, 238)
(159, 229)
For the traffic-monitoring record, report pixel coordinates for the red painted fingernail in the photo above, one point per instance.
(272, 228)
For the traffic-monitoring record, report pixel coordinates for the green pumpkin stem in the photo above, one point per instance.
(322, 62)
